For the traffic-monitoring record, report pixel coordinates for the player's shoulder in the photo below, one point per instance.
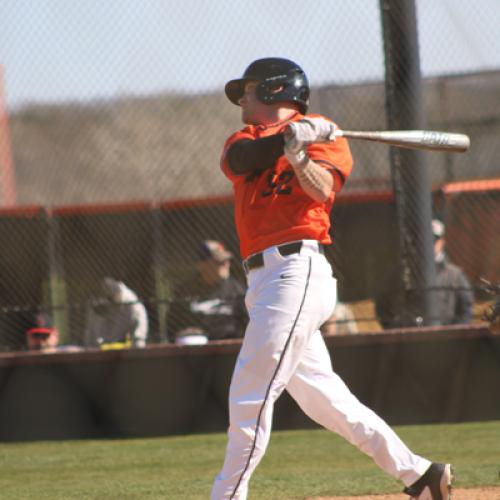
(247, 132)
(317, 115)
(239, 135)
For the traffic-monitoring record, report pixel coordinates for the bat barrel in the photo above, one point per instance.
(415, 139)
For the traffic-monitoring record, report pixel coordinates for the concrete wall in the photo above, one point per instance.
(411, 377)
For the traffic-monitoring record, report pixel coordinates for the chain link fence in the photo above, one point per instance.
(112, 120)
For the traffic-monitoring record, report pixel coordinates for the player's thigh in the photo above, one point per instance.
(284, 310)
(314, 374)
(267, 353)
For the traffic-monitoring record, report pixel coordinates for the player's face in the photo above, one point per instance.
(213, 271)
(253, 112)
(43, 342)
(438, 246)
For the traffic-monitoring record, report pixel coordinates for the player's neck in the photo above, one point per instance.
(277, 115)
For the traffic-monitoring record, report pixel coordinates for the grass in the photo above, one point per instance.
(297, 464)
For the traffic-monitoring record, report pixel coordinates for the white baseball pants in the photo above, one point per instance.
(287, 300)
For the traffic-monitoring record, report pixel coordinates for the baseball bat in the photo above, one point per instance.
(413, 139)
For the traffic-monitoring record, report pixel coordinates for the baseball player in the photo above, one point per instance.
(286, 168)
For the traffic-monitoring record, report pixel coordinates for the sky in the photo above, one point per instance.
(57, 50)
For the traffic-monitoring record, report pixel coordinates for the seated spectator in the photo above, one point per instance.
(341, 322)
(117, 318)
(42, 335)
(210, 305)
(494, 318)
(397, 308)
(492, 315)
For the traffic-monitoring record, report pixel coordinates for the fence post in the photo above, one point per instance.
(7, 176)
(162, 289)
(404, 107)
(54, 293)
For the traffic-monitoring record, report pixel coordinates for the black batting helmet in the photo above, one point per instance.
(272, 74)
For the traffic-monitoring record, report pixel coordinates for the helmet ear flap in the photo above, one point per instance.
(304, 94)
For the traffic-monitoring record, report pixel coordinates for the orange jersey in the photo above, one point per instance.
(272, 208)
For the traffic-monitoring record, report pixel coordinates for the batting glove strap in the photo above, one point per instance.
(296, 158)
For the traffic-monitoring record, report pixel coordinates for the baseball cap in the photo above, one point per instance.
(39, 333)
(40, 326)
(437, 228)
(211, 249)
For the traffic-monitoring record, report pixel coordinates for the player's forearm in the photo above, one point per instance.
(315, 180)
(246, 156)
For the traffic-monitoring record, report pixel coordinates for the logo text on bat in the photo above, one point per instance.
(435, 138)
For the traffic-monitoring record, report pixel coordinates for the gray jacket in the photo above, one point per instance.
(396, 308)
(456, 298)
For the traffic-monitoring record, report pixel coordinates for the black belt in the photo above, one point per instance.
(257, 260)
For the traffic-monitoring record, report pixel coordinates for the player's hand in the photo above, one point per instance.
(295, 150)
(298, 135)
(307, 131)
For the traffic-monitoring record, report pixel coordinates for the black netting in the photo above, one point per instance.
(112, 120)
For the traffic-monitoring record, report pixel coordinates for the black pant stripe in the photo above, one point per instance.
(268, 390)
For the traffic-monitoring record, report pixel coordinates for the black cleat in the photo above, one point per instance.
(435, 484)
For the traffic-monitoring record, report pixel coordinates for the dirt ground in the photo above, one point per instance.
(492, 493)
